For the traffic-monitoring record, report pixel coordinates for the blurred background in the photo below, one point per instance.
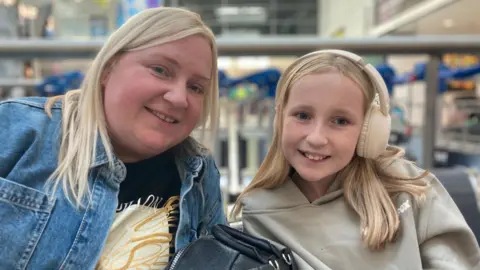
(426, 50)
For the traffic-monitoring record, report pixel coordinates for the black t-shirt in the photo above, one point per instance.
(143, 232)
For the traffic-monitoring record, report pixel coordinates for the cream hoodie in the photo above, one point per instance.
(325, 234)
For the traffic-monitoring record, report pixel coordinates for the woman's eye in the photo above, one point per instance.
(160, 70)
(302, 116)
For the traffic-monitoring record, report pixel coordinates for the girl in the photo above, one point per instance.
(333, 191)
(108, 176)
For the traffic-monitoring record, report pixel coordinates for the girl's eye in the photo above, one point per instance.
(302, 116)
(197, 89)
(341, 121)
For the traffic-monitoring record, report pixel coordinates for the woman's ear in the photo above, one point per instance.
(105, 75)
(107, 70)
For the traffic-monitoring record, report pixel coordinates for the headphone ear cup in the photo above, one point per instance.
(373, 139)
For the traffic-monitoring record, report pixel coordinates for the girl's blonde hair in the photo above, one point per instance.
(83, 118)
(368, 186)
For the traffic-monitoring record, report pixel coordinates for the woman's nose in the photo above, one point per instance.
(177, 96)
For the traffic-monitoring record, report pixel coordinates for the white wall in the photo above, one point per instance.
(354, 16)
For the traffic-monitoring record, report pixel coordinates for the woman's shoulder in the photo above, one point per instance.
(33, 102)
(27, 115)
(27, 109)
(26, 133)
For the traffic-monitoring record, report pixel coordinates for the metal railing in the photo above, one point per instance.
(434, 46)
(268, 45)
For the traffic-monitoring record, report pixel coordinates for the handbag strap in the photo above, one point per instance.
(263, 267)
(222, 232)
(235, 244)
(252, 246)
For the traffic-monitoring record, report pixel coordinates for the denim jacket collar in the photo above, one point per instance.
(185, 163)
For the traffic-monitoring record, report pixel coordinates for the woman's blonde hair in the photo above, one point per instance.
(368, 186)
(83, 119)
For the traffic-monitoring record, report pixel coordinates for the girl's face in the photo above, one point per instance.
(154, 97)
(323, 119)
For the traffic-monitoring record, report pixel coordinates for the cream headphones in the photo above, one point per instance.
(375, 132)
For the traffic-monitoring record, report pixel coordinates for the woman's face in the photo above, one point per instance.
(153, 98)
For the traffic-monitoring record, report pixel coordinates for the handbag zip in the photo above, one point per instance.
(177, 257)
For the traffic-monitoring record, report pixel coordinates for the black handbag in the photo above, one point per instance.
(228, 248)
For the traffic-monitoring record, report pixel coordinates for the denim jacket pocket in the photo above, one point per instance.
(24, 214)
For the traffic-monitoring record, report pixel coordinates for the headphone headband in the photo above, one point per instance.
(377, 80)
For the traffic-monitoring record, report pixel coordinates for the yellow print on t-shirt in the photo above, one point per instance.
(139, 238)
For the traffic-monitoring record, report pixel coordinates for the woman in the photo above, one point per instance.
(108, 176)
(333, 191)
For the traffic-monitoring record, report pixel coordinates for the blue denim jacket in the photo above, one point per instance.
(44, 231)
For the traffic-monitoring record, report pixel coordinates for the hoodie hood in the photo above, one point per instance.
(286, 196)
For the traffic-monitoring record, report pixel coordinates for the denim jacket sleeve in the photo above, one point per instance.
(16, 135)
(214, 208)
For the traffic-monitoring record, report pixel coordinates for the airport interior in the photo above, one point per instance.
(427, 51)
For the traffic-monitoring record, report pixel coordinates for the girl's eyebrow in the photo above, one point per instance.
(344, 111)
(301, 107)
(339, 110)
